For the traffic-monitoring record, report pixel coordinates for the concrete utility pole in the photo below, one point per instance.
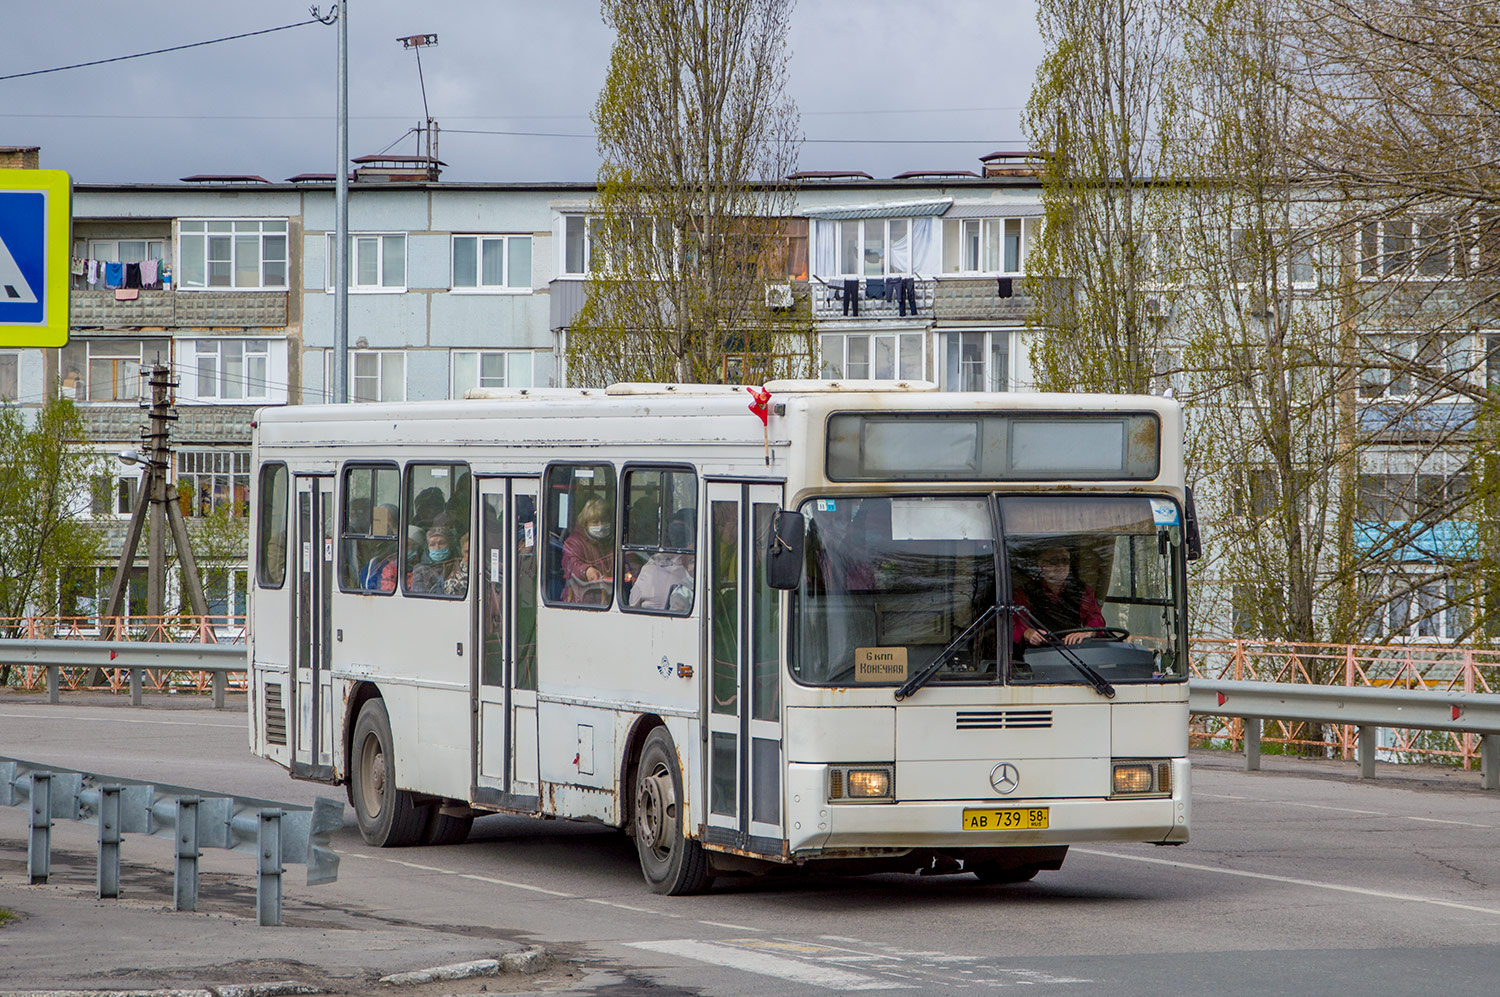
(340, 374)
(161, 505)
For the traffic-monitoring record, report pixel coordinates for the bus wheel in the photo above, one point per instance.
(443, 829)
(672, 863)
(387, 816)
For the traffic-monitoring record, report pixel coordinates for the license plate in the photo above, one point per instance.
(1005, 820)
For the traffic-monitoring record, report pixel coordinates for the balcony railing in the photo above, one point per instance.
(172, 309)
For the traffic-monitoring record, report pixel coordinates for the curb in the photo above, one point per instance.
(279, 989)
(531, 960)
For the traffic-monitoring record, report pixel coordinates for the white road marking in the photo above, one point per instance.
(1345, 810)
(638, 910)
(96, 719)
(766, 964)
(731, 927)
(460, 875)
(1293, 881)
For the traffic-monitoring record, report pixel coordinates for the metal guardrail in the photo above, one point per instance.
(1369, 709)
(276, 832)
(136, 656)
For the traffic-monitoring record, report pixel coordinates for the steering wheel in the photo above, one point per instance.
(1102, 633)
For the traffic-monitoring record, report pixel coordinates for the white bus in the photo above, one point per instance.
(857, 626)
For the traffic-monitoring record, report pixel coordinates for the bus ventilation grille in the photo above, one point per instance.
(275, 715)
(1004, 719)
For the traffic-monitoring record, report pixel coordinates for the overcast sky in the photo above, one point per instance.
(923, 84)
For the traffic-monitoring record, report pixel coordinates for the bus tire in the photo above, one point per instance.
(388, 817)
(443, 829)
(672, 863)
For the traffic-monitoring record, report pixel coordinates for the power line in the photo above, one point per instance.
(808, 141)
(455, 117)
(159, 51)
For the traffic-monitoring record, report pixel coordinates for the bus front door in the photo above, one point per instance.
(505, 734)
(743, 711)
(312, 694)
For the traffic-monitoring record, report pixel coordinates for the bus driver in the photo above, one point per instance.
(1057, 601)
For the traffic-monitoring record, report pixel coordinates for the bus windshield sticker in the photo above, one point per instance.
(307, 555)
(583, 473)
(528, 536)
(826, 505)
(495, 565)
(940, 519)
(1164, 512)
(438, 472)
(880, 664)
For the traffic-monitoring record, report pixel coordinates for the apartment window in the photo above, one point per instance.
(872, 247)
(229, 370)
(870, 355)
(987, 245)
(1403, 498)
(377, 262)
(10, 377)
(126, 250)
(1416, 365)
(374, 376)
(578, 245)
(1415, 605)
(232, 253)
(977, 361)
(492, 262)
(214, 481)
(110, 370)
(114, 494)
(1408, 247)
(491, 369)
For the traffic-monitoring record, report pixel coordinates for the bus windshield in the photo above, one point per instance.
(891, 582)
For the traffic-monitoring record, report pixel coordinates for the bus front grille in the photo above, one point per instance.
(1004, 719)
(275, 715)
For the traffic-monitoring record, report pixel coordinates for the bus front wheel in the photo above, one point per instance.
(672, 863)
(388, 817)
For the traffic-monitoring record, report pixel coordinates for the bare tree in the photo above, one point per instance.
(698, 136)
(1100, 112)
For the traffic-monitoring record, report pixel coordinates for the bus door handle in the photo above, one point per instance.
(460, 649)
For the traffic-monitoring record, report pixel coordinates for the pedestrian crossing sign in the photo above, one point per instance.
(36, 234)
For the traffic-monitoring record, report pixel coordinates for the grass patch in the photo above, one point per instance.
(6, 915)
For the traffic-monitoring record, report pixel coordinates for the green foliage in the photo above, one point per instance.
(46, 480)
(697, 135)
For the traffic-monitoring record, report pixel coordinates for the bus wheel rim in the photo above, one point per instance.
(374, 765)
(655, 804)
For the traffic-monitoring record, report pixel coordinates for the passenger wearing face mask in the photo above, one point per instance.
(439, 562)
(1057, 600)
(589, 556)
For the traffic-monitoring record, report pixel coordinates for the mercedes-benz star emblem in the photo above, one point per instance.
(1005, 777)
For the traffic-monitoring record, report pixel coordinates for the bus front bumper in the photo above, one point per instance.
(815, 826)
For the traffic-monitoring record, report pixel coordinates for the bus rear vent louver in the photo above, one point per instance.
(1004, 719)
(275, 715)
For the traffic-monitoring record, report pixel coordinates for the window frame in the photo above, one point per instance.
(379, 287)
(957, 228)
(506, 239)
(345, 536)
(1464, 344)
(261, 511)
(549, 552)
(871, 335)
(10, 368)
(1399, 247)
(459, 470)
(586, 245)
(379, 378)
(660, 547)
(953, 373)
(88, 344)
(456, 391)
(262, 385)
(234, 456)
(195, 235)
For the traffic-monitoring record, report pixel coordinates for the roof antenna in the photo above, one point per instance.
(416, 43)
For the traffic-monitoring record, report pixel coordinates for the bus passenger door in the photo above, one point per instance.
(312, 730)
(505, 677)
(744, 751)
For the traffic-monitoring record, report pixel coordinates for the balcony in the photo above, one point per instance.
(1447, 541)
(171, 309)
(829, 301)
(978, 299)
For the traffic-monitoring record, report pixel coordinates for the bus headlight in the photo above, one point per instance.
(860, 782)
(1144, 777)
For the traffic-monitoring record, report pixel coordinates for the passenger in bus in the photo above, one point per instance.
(457, 583)
(438, 564)
(1057, 599)
(379, 574)
(588, 556)
(666, 580)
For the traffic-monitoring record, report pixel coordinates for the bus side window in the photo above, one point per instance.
(369, 556)
(580, 557)
(270, 568)
(659, 560)
(437, 529)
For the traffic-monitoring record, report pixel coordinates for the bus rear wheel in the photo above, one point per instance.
(672, 863)
(388, 817)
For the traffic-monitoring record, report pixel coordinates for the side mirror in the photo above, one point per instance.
(784, 551)
(1190, 538)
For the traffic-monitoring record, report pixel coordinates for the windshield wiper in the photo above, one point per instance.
(1099, 682)
(925, 675)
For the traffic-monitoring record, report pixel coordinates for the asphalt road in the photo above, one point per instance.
(1300, 878)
